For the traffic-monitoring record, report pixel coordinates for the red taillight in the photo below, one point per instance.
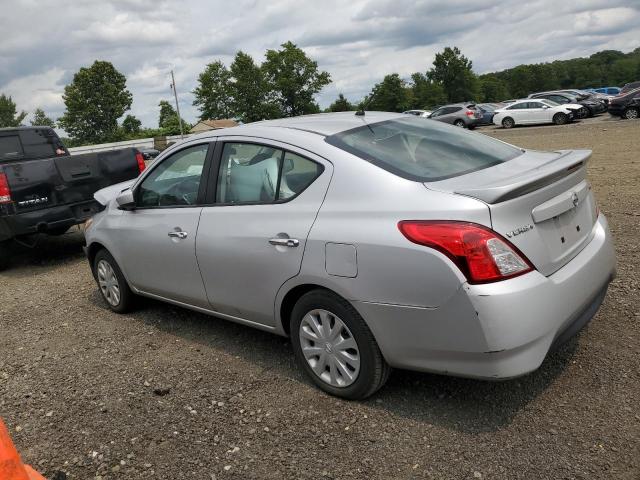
(479, 252)
(140, 160)
(5, 191)
(470, 113)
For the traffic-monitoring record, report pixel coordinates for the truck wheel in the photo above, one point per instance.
(4, 254)
(631, 113)
(560, 118)
(113, 286)
(335, 347)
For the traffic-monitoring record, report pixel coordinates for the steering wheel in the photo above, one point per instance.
(184, 190)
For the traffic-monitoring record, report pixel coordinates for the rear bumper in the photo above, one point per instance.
(498, 330)
(40, 221)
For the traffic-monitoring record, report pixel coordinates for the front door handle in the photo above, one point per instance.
(285, 242)
(179, 234)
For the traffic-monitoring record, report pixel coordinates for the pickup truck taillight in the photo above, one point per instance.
(140, 160)
(5, 191)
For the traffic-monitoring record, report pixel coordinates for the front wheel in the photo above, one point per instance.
(508, 122)
(335, 348)
(113, 286)
(631, 113)
(560, 118)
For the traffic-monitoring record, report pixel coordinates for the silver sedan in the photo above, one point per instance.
(372, 241)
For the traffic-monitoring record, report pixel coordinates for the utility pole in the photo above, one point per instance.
(175, 94)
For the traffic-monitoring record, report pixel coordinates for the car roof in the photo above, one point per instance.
(324, 124)
(4, 129)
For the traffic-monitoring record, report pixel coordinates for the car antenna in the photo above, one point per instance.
(365, 104)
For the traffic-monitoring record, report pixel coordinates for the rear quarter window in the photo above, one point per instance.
(423, 150)
(10, 147)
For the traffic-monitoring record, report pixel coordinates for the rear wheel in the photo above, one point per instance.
(459, 123)
(4, 254)
(113, 286)
(631, 113)
(508, 122)
(560, 118)
(335, 348)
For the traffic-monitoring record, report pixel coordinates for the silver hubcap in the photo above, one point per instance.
(633, 113)
(108, 283)
(329, 348)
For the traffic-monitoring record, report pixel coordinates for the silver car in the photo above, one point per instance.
(372, 241)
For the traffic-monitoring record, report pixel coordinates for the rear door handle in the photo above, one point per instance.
(179, 234)
(285, 242)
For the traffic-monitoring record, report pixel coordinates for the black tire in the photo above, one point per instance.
(4, 254)
(126, 299)
(374, 370)
(560, 118)
(460, 123)
(631, 113)
(583, 113)
(508, 122)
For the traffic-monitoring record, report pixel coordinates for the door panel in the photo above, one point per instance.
(246, 252)
(158, 238)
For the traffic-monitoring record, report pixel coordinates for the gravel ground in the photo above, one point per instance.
(167, 393)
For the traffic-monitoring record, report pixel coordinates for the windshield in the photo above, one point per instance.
(424, 151)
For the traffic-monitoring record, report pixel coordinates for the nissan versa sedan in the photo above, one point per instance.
(373, 241)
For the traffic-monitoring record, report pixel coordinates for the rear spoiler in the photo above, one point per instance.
(515, 178)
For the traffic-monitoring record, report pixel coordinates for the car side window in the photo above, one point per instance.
(175, 181)
(437, 113)
(256, 174)
(517, 106)
(297, 174)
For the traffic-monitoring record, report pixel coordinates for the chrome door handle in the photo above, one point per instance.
(179, 234)
(285, 242)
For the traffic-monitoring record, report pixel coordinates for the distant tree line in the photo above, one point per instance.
(286, 82)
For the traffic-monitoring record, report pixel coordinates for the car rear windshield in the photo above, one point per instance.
(423, 150)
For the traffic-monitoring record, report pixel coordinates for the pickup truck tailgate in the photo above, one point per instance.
(50, 182)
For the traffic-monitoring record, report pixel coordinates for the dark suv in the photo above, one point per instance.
(464, 115)
(626, 105)
(629, 87)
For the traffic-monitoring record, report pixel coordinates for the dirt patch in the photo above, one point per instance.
(167, 393)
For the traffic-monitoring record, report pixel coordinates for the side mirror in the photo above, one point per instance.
(125, 200)
(545, 107)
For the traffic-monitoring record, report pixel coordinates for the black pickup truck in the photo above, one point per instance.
(43, 189)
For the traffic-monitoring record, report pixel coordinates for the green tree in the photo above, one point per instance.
(390, 95)
(425, 94)
(8, 113)
(95, 100)
(341, 105)
(168, 120)
(294, 78)
(131, 125)
(454, 72)
(213, 93)
(492, 89)
(40, 119)
(253, 100)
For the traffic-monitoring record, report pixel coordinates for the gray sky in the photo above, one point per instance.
(44, 42)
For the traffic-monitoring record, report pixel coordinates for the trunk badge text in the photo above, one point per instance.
(519, 230)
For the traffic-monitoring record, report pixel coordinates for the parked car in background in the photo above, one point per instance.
(149, 153)
(464, 115)
(487, 110)
(45, 190)
(626, 105)
(629, 87)
(417, 246)
(535, 111)
(589, 107)
(582, 95)
(418, 113)
(612, 91)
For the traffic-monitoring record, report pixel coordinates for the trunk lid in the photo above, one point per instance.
(540, 201)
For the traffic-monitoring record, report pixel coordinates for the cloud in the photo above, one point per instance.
(46, 41)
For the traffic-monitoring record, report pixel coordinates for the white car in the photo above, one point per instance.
(531, 111)
(418, 113)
